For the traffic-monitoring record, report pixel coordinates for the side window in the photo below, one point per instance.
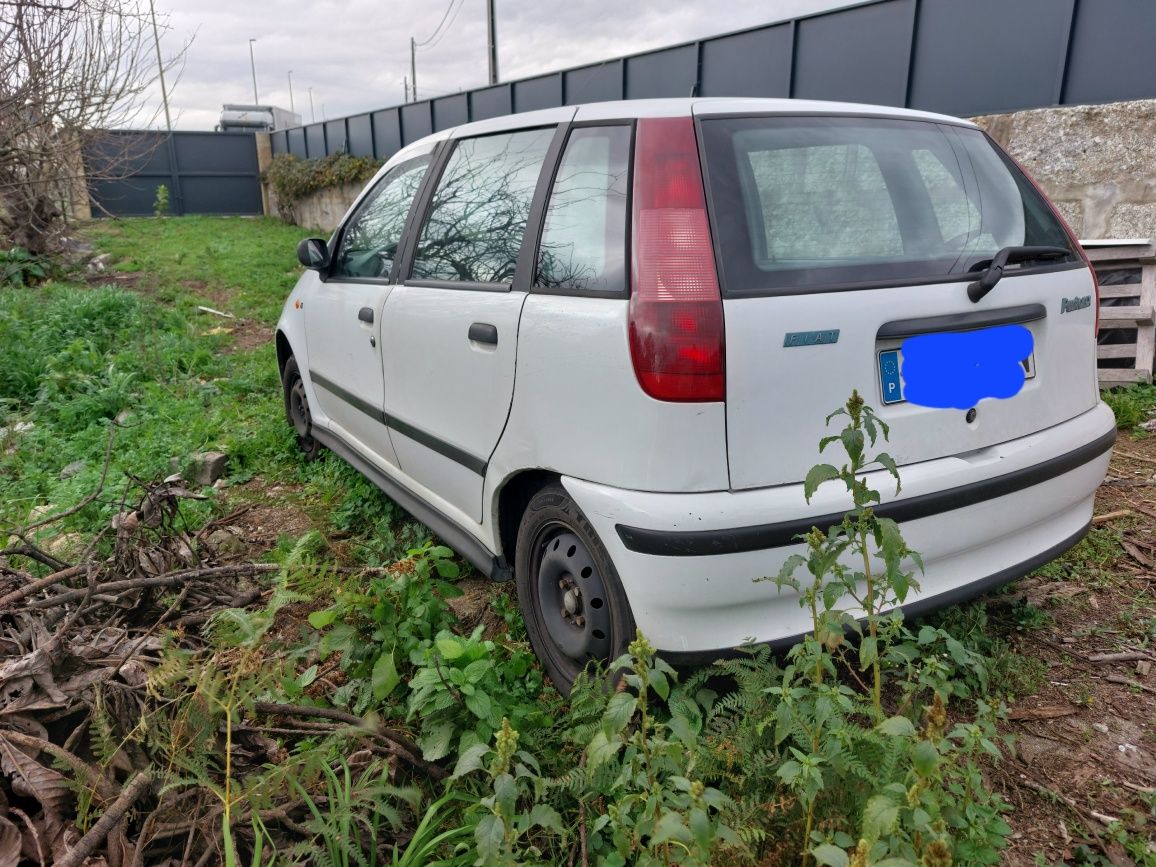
(583, 243)
(369, 243)
(479, 211)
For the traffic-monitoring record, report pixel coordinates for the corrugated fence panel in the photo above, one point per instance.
(205, 172)
(599, 83)
(671, 72)
(214, 152)
(415, 121)
(536, 93)
(360, 135)
(386, 133)
(296, 138)
(315, 140)
(490, 102)
(1113, 52)
(280, 142)
(335, 140)
(988, 56)
(450, 111)
(857, 55)
(755, 63)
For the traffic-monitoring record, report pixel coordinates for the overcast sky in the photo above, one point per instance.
(354, 53)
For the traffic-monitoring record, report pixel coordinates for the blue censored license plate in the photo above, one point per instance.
(890, 364)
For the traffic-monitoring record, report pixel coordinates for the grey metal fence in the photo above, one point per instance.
(961, 57)
(205, 172)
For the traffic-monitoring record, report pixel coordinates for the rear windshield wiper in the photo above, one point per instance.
(993, 269)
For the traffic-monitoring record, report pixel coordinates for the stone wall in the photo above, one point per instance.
(1096, 162)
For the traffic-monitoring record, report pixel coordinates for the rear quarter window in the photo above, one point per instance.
(802, 204)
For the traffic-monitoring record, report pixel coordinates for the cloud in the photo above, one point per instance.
(353, 54)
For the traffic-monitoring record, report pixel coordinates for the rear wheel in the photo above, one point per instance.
(575, 609)
(297, 410)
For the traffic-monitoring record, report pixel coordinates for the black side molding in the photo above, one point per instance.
(447, 450)
(962, 321)
(910, 611)
(703, 543)
(482, 559)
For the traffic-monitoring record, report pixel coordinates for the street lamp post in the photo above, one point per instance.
(291, 108)
(312, 114)
(253, 67)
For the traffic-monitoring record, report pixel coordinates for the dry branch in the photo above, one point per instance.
(131, 793)
(398, 744)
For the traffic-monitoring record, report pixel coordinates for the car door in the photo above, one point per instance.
(451, 327)
(343, 314)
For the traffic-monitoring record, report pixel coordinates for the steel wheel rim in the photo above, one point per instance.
(571, 598)
(299, 414)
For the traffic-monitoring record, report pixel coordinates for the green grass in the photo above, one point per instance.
(78, 356)
(189, 259)
(1132, 405)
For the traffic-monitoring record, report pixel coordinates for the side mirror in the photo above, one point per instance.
(313, 253)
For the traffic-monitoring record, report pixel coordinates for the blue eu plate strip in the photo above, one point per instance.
(889, 378)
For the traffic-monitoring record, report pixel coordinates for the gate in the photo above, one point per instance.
(205, 172)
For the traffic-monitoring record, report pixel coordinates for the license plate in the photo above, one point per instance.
(890, 362)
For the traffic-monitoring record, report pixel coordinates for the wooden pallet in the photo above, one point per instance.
(1140, 316)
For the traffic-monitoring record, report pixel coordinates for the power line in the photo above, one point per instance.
(448, 26)
(439, 27)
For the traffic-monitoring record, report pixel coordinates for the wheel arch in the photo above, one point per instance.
(512, 498)
(284, 352)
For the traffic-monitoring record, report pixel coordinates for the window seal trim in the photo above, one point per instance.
(570, 292)
(536, 219)
(464, 285)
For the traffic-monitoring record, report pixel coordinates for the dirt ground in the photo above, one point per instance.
(1085, 742)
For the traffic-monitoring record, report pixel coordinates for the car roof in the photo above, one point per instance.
(698, 106)
(629, 109)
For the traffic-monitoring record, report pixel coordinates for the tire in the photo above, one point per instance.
(571, 597)
(297, 411)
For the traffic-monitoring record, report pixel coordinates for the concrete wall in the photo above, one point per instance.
(322, 210)
(1096, 162)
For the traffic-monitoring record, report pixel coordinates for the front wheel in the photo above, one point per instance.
(573, 603)
(297, 410)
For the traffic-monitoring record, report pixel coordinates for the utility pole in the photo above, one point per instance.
(312, 114)
(413, 67)
(405, 84)
(492, 35)
(253, 67)
(161, 68)
(291, 108)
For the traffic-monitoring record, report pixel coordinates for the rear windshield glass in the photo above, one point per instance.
(804, 204)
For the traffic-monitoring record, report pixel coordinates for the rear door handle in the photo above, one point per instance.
(484, 332)
(365, 314)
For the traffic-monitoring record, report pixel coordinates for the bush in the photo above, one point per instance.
(1132, 405)
(293, 178)
(18, 267)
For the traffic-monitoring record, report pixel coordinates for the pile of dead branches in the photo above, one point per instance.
(84, 779)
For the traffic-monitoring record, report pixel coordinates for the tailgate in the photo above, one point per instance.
(839, 238)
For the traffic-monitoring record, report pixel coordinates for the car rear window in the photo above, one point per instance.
(802, 204)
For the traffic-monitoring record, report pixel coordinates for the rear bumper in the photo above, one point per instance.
(688, 561)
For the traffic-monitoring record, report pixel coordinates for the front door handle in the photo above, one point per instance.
(365, 314)
(484, 332)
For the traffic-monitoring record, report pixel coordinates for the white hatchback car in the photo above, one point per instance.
(593, 347)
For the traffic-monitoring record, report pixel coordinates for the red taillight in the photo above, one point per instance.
(676, 317)
(1071, 236)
